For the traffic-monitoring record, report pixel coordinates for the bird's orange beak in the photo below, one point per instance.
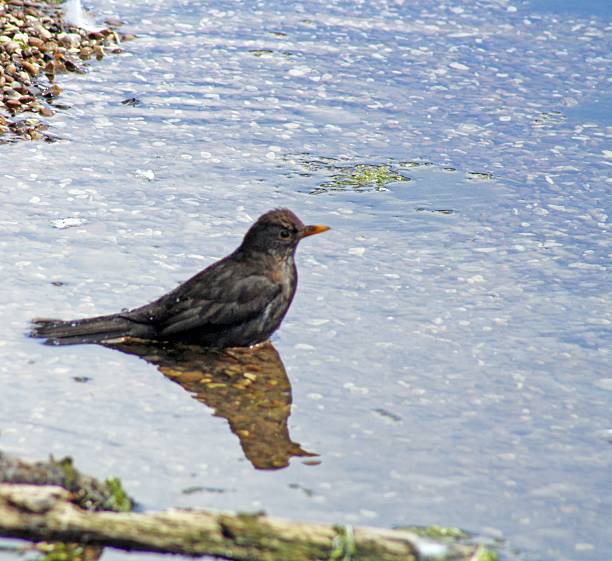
(314, 229)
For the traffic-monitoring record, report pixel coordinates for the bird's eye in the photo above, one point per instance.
(284, 234)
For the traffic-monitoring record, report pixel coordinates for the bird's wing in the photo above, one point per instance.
(209, 301)
(221, 306)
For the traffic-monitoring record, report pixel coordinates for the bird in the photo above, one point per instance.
(238, 301)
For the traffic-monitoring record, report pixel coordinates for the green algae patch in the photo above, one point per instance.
(343, 546)
(436, 210)
(485, 554)
(261, 52)
(88, 492)
(411, 164)
(364, 174)
(66, 465)
(66, 552)
(250, 532)
(342, 174)
(362, 177)
(479, 176)
(119, 500)
(438, 533)
(450, 535)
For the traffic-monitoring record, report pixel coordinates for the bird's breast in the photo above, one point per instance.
(284, 274)
(282, 270)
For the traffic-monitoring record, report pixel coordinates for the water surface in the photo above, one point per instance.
(448, 349)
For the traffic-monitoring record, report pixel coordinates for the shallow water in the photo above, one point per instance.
(448, 349)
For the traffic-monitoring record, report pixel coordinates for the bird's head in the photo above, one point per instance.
(278, 232)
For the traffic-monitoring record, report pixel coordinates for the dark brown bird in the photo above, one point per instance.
(236, 302)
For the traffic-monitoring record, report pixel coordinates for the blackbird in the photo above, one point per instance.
(238, 301)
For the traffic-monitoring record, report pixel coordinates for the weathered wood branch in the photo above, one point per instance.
(35, 512)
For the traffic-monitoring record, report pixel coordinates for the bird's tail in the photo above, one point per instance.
(89, 330)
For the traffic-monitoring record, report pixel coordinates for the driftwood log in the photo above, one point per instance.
(48, 513)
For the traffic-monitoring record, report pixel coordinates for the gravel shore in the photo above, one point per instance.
(36, 45)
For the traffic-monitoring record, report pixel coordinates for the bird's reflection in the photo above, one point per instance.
(247, 386)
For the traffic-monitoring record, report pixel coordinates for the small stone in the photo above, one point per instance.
(69, 39)
(11, 47)
(71, 67)
(131, 101)
(20, 37)
(46, 112)
(43, 33)
(34, 135)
